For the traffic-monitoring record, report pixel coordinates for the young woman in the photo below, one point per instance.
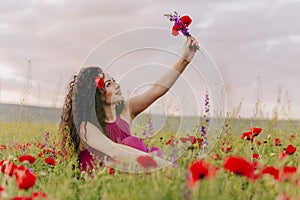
(95, 122)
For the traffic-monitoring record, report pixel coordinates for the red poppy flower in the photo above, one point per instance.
(186, 20)
(172, 142)
(252, 133)
(28, 158)
(290, 149)
(9, 168)
(287, 172)
(272, 171)
(255, 156)
(277, 141)
(2, 147)
(25, 179)
(192, 139)
(50, 161)
(183, 139)
(22, 198)
(99, 83)
(2, 163)
(258, 143)
(1, 189)
(226, 149)
(247, 136)
(38, 195)
(146, 162)
(111, 171)
(289, 169)
(240, 166)
(200, 170)
(255, 131)
(175, 30)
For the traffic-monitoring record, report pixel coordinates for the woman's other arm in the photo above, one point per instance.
(122, 153)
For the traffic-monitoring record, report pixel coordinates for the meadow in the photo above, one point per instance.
(252, 159)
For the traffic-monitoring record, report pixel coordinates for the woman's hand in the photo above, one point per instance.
(189, 48)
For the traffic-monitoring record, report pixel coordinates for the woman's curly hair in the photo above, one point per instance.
(83, 103)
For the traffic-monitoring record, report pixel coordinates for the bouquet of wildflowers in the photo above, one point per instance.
(181, 24)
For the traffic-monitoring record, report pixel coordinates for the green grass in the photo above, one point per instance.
(62, 182)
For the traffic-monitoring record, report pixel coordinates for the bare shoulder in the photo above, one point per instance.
(86, 127)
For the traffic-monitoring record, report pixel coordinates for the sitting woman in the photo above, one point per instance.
(95, 122)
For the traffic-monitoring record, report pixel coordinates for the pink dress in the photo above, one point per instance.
(119, 132)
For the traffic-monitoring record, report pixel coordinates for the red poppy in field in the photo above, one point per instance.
(1, 189)
(183, 139)
(290, 149)
(111, 171)
(247, 135)
(239, 165)
(277, 141)
(287, 172)
(50, 161)
(2, 147)
(258, 143)
(192, 139)
(21, 198)
(186, 20)
(199, 170)
(255, 131)
(2, 163)
(28, 158)
(226, 149)
(25, 179)
(146, 162)
(255, 156)
(252, 133)
(172, 141)
(200, 141)
(272, 171)
(38, 195)
(9, 168)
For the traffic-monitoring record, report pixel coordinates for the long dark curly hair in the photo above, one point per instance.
(83, 103)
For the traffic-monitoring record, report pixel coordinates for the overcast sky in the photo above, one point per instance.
(254, 43)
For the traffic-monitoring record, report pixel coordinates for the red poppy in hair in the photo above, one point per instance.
(99, 81)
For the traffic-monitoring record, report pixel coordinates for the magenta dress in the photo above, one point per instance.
(119, 132)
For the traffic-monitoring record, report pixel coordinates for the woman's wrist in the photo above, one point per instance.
(184, 61)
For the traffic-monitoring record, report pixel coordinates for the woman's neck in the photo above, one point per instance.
(110, 113)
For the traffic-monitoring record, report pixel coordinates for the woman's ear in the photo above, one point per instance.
(102, 97)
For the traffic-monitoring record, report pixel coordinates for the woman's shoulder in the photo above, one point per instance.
(87, 125)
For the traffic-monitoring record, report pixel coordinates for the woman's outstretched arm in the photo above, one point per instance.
(139, 103)
(122, 153)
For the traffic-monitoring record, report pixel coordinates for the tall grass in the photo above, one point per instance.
(65, 181)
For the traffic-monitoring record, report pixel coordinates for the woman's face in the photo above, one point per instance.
(113, 90)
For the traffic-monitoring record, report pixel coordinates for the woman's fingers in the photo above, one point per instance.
(194, 43)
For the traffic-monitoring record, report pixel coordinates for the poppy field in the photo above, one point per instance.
(247, 162)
